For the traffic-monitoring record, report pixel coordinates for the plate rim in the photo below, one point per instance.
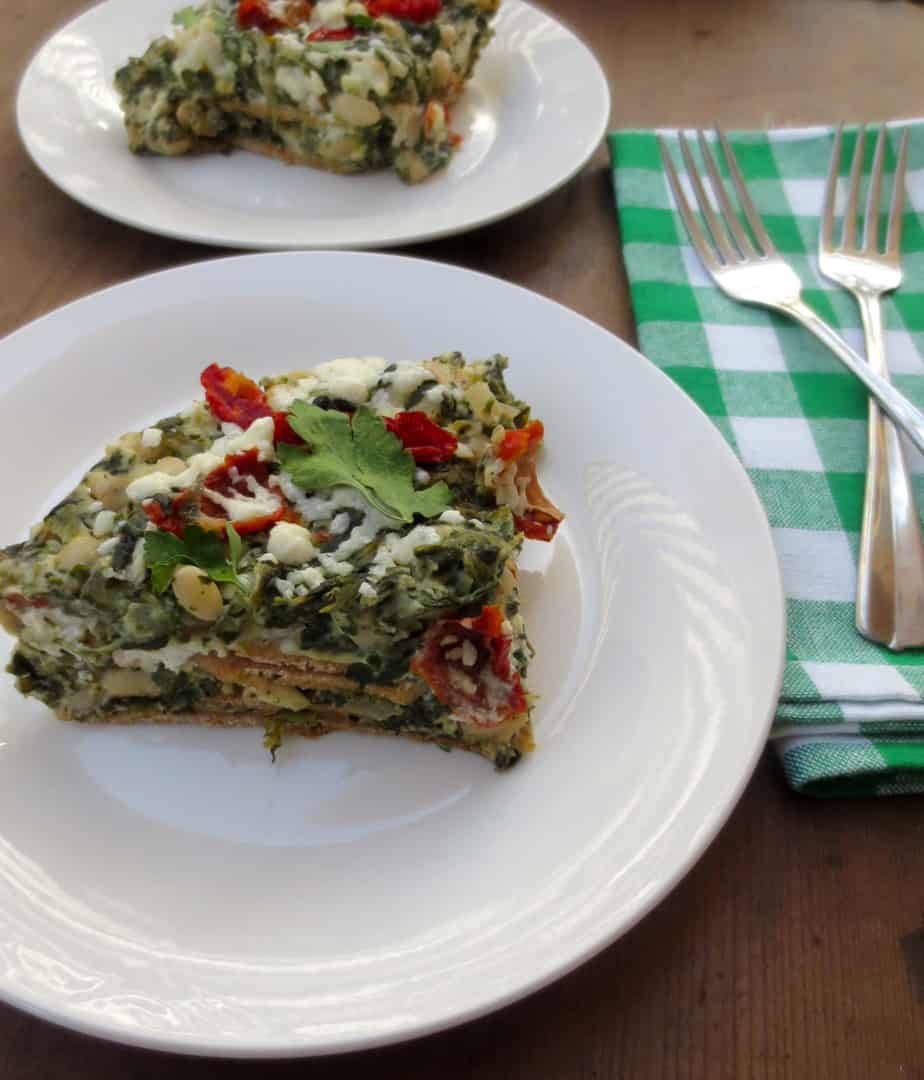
(398, 239)
(680, 867)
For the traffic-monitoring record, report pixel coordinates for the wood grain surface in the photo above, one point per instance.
(795, 948)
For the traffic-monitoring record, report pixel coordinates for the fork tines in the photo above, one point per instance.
(870, 243)
(730, 242)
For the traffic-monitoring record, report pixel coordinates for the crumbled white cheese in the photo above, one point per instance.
(399, 550)
(367, 75)
(260, 436)
(421, 477)
(452, 517)
(284, 587)
(349, 378)
(432, 400)
(199, 48)
(330, 14)
(308, 578)
(104, 523)
(290, 543)
(334, 566)
(340, 524)
(398, 386)
(303, 87)
(367, 591)
(151, 437)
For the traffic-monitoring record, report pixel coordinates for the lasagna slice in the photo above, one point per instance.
(343, 85)
(334, 549)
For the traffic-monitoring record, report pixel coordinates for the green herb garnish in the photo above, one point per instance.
(361, 22)
(185, 16)
(364, 455)
(164, 552)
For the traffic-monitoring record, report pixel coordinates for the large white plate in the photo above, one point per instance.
(175, 889)
(532, 116)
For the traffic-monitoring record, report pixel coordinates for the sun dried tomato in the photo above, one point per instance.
(297, 11)
(518, 442)
(168, 514)
(22, 603)
(413, 10)
(535, 525)
(235, 399)
(486, 691)
(242, 476)
(427, 442)
(232, 397)
(255, 15)
(325, 34)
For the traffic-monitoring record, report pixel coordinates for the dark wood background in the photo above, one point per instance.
(795, 948)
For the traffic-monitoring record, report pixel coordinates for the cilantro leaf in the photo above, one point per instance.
(186, 16)
(361, 22)
(163, 552)
(388, 469)
(364, 455)
(235, 545)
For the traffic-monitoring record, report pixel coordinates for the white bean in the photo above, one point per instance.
(80, 551)
(172, 466)
(124, 682)
(356, 110)
(108, 488)
(196, 594)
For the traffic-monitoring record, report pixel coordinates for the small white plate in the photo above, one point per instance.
(534, 113)
(175, 889)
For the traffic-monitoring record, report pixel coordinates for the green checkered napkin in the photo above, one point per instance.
(850, 719)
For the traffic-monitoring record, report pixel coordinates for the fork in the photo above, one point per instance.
(890, 572)
(756, 274)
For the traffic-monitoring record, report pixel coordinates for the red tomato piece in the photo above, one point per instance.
(427, 442)
(171, 518)
(520, 441)
(255, 15)
(413, 10)
(235, 399)
(21, 603)
(238, 476)
(283, 432)
(485, 691)
(232, 397)
(324, 34)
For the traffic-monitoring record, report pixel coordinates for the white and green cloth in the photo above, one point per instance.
(850, 719)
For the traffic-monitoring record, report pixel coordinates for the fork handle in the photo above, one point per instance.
(893, 402)
(890, 569)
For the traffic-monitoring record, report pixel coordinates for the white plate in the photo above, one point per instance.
(177, 890)
(534, 113)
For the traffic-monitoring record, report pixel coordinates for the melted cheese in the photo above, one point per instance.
(259, 436)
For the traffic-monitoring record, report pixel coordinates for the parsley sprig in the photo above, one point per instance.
(164, 552)
(364, 455)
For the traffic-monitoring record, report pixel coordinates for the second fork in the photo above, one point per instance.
(890, 574)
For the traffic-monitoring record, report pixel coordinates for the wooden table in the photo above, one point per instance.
(795, 948)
